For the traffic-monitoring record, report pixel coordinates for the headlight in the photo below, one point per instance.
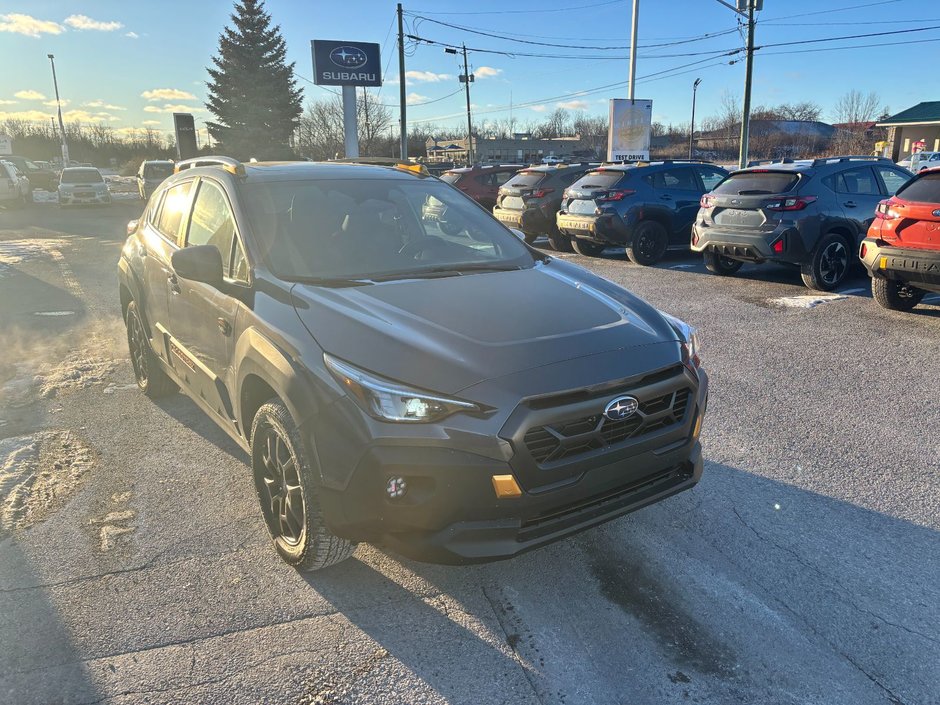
(390, 401)
(688, 337)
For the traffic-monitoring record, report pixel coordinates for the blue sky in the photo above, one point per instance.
(131, 64)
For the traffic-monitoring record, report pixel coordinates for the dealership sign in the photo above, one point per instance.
(628, 138)
(346, 63)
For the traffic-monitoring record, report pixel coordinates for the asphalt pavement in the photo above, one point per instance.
(803, 569)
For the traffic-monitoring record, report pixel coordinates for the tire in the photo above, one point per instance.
(829, 264)
(530, 238)
(284, 479)
(588, 249)
(449, 228)
(559, 242)
(148, 373)
(719, 264)
(895, 295)
(650, 241)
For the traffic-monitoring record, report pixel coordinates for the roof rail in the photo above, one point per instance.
(849, 158)
(232, 166)
(413, 167)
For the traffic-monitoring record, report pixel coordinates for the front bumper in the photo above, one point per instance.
(69, 199)
(751, 246)
(914, 266)
(450, 513)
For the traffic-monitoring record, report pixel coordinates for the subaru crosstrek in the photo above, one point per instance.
(811, 213)
(387, 379)
(902, 250)
(644, 208)
(481, 183)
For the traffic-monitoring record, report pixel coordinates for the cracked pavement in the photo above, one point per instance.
(804, 568)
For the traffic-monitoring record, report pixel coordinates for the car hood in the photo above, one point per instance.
(447, 334)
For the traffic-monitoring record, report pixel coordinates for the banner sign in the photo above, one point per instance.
(6, 144)
(185, 128)
(628, 138)
(346, 63)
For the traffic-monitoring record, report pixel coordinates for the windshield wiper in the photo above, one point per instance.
(450, 270)
(331, 282)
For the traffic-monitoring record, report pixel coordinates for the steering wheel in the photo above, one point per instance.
(416, 247)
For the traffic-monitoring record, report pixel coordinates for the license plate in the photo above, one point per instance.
(512, 218)
(573, 224)
(85, 195)
(735, 216)
(582, 206)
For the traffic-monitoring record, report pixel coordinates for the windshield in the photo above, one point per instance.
(157, 171)
(758, 183)
(604, 178)
(363, 229)
(451, 177)
(925, 189)
(525, 178)
(81, 176)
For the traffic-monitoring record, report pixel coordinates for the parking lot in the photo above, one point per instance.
(804, 568)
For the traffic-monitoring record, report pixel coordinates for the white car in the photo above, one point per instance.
(14, 186)
(552, 159)
(924, 160)
(83, 185)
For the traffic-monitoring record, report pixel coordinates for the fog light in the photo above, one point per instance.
(506, 487)
(396, 487)
(864, 249)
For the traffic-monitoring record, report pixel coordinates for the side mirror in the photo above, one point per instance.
(201, 263)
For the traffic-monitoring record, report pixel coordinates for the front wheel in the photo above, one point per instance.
(650, 241)
(287, 492)
(150, 377)
(719, 264)
(896, 295)
(588, 249)
(829, 264)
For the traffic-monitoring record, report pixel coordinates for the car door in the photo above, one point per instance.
(202, 317)
(8, 184)
(159, 239)
(677, 189)
(858, 192)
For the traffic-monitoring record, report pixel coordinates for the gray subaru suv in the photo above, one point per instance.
(812, 213)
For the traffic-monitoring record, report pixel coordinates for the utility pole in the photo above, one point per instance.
(467, 79)
(401, 86)
(636, 17)
(692, 124)
(749, 63)
(65, 146)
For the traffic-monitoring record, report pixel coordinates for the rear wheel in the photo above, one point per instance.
(896, 295)
(530, 238)
(650, 241)
(588, 249)
(559, 242)
(719, 264)
(829, 264)
(287, 492)
(150, 377)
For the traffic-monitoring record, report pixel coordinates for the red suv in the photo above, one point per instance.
(902, 250)
(481, 183)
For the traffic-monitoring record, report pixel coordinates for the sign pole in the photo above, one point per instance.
(350, 124)
(402, 97)
(636, 17)
(748, 72)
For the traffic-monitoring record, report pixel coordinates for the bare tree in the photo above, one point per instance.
(857, 107)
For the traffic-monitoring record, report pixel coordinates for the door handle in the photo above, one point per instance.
(849, 204)
(224, 326)
(665, 197)
(173, 282)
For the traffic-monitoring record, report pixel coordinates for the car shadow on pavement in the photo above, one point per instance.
(183, 409)
(746, 589)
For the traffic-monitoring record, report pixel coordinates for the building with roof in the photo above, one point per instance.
(911, 127)
(520, 148)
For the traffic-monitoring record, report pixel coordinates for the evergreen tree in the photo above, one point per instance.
(252, 92)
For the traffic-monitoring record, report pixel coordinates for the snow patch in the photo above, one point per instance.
(806, 301)
(54, 313)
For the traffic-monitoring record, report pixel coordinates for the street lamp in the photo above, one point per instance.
(65, 146)
(692, 124)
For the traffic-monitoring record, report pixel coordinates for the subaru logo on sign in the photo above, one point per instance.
(348, 57)
(621, 408)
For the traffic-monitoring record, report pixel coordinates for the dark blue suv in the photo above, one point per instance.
(643, 207)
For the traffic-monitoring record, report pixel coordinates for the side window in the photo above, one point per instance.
(503, 176)
(710, 177)
(681, 179)
(174, 207)
(859, 181)
(212, 222)
(571, 177)
(239, 263)
(893, 180)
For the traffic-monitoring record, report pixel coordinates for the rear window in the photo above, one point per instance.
(925, 189)
(599, 179)
(526, 178)
(758, 182)
(81, 176)
(451, 177)
(155, 171)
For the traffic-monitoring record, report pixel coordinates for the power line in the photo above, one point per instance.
(522, 12)
(383, 105)
(834, 9)
(855, 46)
(850, 36)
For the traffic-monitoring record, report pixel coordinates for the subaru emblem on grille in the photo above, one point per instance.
(621, 408)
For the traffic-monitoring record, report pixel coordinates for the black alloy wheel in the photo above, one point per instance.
(829, 265)
(895, 295)
(150, 377)
(279, 489)
(719, 264)
(650, 241)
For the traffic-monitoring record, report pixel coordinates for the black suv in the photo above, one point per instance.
(531, 198)
(644, 207)
(813, 213)
(387, 379)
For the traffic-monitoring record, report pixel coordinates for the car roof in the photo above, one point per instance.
(482, 167)
(81, 168)
(158, 161)
(255, 172)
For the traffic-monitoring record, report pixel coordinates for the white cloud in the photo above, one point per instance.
(151, 123)
(538, 108)
(29, 26)
(427, 76)
(53, 104)
(573, 105)
(486, 72)
(171, 108)
(85, 22)
(27, 115)
(29, 95)
(101, 104)
(9, 102)
(167, 94)
(85, 116)
(413, 98)
(132, 35)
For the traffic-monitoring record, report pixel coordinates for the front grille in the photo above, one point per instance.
(560, 441)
